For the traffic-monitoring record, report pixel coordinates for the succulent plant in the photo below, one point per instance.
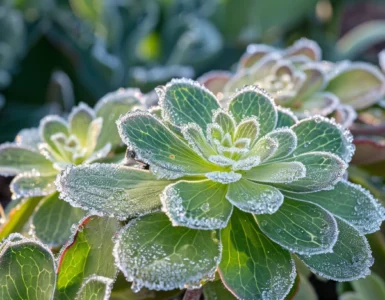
(242, 190)
(39, 154)
(298, 79)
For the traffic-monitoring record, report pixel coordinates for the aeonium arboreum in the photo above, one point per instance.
(243, 190)
(39, 154)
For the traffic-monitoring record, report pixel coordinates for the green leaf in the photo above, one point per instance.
(31, 185)
(51, 125)
(197, 140)
(15, 160)
(323, 103)
(279, 172)
(286, 118)
(351, 257)
(314, 80)
(350, 296)
(253, 197)
(371, 287)
(79, 120)
(95, 288)
(197, 204)
(252, 266)
(323, 170)
(185, 101)
(89, 253)
(112, 190)
(300, 227)
(350, 202)
(155, 144)
(264, 149)
(306, 290)
(152, 253)
(321, 134)
(19, 216)
(287, 143)
(110, 107)
(27, 269)
(252, 101)
(358, 84)
(215, 290)
(224, 120)
(249, 129)
(53, 220)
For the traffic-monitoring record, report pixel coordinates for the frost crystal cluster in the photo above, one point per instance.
(240, 190)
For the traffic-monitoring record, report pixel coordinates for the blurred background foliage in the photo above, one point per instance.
(57, 52)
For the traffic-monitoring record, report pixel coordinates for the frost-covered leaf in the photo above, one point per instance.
(185, 101)
(18, 216)
(287, 142)
(304, 47)
(95, 288)
(279, 172)
(357, 84)
(351, 203)
(79, 120)
(322, 171)
(321, 134)
(264, 149)
(53, 219)
(110, 107)
(252, 101)
(252, 266)
(225, 121)
(197, 140)
(314, 80)
(112, 190)
(351, 257)
(88, 253)
(51, 125)
(32, 185)
(249, 129)
(215, 290)
(155, 144)
(93, 133)
(152, 253)
(253, 197)
(15, 160)
(286, 117)
(197, 204)
(300, 227)
(27, 269)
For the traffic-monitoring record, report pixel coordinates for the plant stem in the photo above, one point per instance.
(192, 294)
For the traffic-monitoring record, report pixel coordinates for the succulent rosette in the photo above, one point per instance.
(39, 154)
(297, 78)
(241, 190)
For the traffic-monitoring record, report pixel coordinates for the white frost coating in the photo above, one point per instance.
(162, 90)
(288, 112)
(358, 266)
(173, 206)
(154, 268)
(221, 160)
(108, 282)
(212, 131)
(279, 172)
(102, 153)
(130, 96)
(16, 239)
(224, 177)
(37, 186)
(242, 143)
(377, 215)
(193, 134)
(287, 142)
(220, 111)
(50, 118)
(345, 134)
(246, 163)
(81, 107)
